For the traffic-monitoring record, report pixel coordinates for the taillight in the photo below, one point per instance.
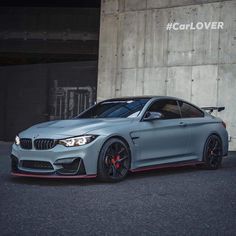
(224, 124)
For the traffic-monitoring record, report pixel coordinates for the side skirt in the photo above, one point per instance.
(170, 165)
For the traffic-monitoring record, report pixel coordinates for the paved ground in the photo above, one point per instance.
(183, 201)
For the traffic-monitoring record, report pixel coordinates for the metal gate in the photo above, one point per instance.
(68, 102)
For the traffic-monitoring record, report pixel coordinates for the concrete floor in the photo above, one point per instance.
(182, 201)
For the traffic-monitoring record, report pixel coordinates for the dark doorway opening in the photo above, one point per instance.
(36, 93)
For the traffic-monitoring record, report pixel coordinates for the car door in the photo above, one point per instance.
(196, 125)
(161, 140)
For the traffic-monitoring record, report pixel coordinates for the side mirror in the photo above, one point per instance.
(149, 116)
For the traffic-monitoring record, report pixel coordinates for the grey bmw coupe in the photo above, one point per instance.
(120, 135)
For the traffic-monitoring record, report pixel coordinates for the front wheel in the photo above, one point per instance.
(212, 155)
(114, 160)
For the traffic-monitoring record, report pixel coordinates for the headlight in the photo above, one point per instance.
(77, 141)
(17, 140)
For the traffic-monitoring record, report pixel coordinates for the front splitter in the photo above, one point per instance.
(54, 176)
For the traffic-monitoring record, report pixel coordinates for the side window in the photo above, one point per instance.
(189, 111)
(168, 109)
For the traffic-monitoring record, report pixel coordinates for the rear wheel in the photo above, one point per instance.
(212, 155)
(114, 160)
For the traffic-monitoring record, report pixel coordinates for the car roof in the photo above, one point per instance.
(141, 97)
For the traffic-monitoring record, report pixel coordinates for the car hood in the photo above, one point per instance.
(69, 128)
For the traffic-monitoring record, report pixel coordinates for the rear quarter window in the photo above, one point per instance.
(189, 111)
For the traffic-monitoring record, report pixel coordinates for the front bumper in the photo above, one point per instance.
(58, 162)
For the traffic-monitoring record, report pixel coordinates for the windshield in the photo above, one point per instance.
(115, 109)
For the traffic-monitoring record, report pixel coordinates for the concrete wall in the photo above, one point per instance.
(138, 56)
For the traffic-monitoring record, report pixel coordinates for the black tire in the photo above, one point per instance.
(212, 155)
(114, 161)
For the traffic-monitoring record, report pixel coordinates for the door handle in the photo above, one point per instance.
(182, 124)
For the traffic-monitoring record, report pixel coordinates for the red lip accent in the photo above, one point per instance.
(54, 176)
(162, 166)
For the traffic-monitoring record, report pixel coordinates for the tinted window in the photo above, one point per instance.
(188, 110)
(168, 109)
(115, 109)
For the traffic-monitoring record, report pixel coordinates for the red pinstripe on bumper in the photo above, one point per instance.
(54, 176)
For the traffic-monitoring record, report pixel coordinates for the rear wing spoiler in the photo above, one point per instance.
(211, 109)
